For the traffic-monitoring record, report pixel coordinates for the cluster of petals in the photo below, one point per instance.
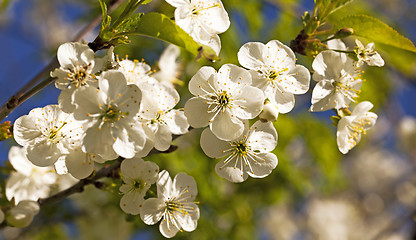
(338, 80)
(274, 70)
(248, 155)
(350, 128)
(223, 100)
(203, 20)
(138, 176)
(174, 205)
(22, 214)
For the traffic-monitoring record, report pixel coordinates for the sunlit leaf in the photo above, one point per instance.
(375, 30)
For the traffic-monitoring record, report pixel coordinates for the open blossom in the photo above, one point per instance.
(350, 128)
(368, 55)
(222, 100)
(138, 176)
(169, 67)
(109, 114)
(28, 182)
(47, 133)
(174, 204)
(203, 20)
(157, 116)
(274, 71)
(338, 81)
(78, 66)
(249, 155)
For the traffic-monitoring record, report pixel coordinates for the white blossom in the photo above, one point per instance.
(203, 20)
(109, 114)
(222, 100)
(138, 176)
(269, 112)
(350, 128)
(174, 204)
(274, 71)
(78, 68)
(47, 134)
(249, 155)
(22, 214)
(338, 81)
(368, 55)
(157, 116)
(28, 182)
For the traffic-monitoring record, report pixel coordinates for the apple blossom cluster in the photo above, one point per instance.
(338, 84)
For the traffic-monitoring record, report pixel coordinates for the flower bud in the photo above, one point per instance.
(269, 112)
(22, 214)
(343, 33)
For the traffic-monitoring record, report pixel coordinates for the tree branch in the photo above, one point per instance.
(32, 87)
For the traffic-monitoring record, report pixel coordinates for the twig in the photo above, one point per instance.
(32, 87)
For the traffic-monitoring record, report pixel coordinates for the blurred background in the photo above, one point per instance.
(314, 193)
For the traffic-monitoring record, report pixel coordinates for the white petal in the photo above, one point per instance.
(178, 3)
(263, 166)
(65, 100)
(152, 210)
(177, 122)
(164, 185)
(196, 111)
(79, 164)
(202, 82)
(284, 101)
(250, 55)
(25, 130)
(186, 185)
(212, 146)
(263, 137)
(226, 127)
(230, 173)
(167, 229)
(131, 202)
(323, 96)
(100, 141)
(163, 138)
(43, 153)
(19, 161)
(123, 146)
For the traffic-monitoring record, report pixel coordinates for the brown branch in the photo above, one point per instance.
(33, 86)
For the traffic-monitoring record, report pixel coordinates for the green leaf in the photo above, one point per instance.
(159, 26)
(375, 30)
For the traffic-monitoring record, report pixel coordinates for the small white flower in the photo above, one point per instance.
(169, 68)
(109, 114)
(222, 100)
(28, 182)
(338, 81)
(351, 127)
(78, 66)
(275, 72)
(47, 133)
(22, 214)
(138, 176)
(246, 156)
(174, 204)
(368, 55)
(203, 20)
(157, 116)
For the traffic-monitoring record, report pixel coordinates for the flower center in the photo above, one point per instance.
(157, 118)
(54, 136)
(79, 76)
(112, 114)
(138, 184)
(196, 9)
(241, 149)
